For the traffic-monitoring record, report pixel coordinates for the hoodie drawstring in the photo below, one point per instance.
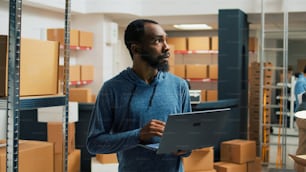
(151, 98)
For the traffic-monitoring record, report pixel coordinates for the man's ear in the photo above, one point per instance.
(135, 48)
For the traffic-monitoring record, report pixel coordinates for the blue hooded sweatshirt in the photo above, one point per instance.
(124, 105)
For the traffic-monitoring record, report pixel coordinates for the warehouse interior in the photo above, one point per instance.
(254, 80)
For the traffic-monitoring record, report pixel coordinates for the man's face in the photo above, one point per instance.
(154, 49)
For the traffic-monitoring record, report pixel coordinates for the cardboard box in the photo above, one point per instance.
(107, 158)
(55, 113)
(196, 71)
(180, 70)
(252, 44)
(211, 95)
(58, 34)
(203, 96)
(55, 135)
(87, 72)
(86, 39)
(300, 162)
(198, 43)
(74, 73)
(33, 156)
(215, 43)
(83, 95)
(213, 71)
(38, 67)
(200, 160)
(180, 43)
(230, 167)
(73, 164)
(254, 166)
(96, 166)
(238, 151)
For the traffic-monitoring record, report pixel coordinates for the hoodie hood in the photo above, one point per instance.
(131, 76)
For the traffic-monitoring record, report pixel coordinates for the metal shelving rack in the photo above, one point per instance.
(13, 103)
(264, 51)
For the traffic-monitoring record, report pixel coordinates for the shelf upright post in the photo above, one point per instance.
(66, 83)
(13, 102)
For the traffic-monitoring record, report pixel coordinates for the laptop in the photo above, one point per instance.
(192, 130)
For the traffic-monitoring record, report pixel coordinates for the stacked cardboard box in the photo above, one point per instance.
(33, 156)
(38, 67)
(55, 136)
(238, 156)
(200, 160)
(78, 38)
(254, 106)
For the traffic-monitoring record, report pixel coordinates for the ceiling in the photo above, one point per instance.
(296, 22)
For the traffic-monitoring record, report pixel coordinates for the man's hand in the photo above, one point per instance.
(153, 128)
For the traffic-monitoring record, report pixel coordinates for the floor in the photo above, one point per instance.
(290, 146)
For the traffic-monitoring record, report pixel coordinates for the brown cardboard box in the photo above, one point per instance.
(198, 43)
(213, 71)
(211, 95)
(73, 164)
(83, 95)
(200, 160)
(196, 71)
(203, 96)
(107, 158)
(300, 162)
(215, 43)
(252, 44)
(213, 170)
(87, 72)
(74, 73)
(180, 43)
(238, 151)
(38, 67)
(33, 156)
(55, 136)
(86, 39)
(180, 70)
(254, 166)
(58, 34)
(230, 167)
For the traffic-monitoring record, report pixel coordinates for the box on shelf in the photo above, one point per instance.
(34, 156)
(180, 70)
(200, 160)
(213, 71)
(87, 72)
(238, 151)
(55, 135)
(211, 95)
(55, 113)
(83, 95)
(203, 96)
(198, 43)
(196, 71)
(58, 34)
(255, 166)
(180, 43)
(38, 67)
(107, 158)
(86, 39)
(215, 43)
(252, 44)
(230, 167)
(73, 164)
(74, 73)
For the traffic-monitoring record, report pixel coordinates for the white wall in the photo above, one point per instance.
(105, 57)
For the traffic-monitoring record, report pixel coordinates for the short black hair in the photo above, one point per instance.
(305, 69)
(135, 32)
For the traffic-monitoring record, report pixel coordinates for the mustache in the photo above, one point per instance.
(164, 55)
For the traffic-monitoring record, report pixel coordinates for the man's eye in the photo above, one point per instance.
(158, 40)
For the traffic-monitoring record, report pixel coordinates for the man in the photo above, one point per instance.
(132, 107)
(300, 95)
(299, 88)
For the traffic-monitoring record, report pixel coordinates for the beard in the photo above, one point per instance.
(156, 62)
